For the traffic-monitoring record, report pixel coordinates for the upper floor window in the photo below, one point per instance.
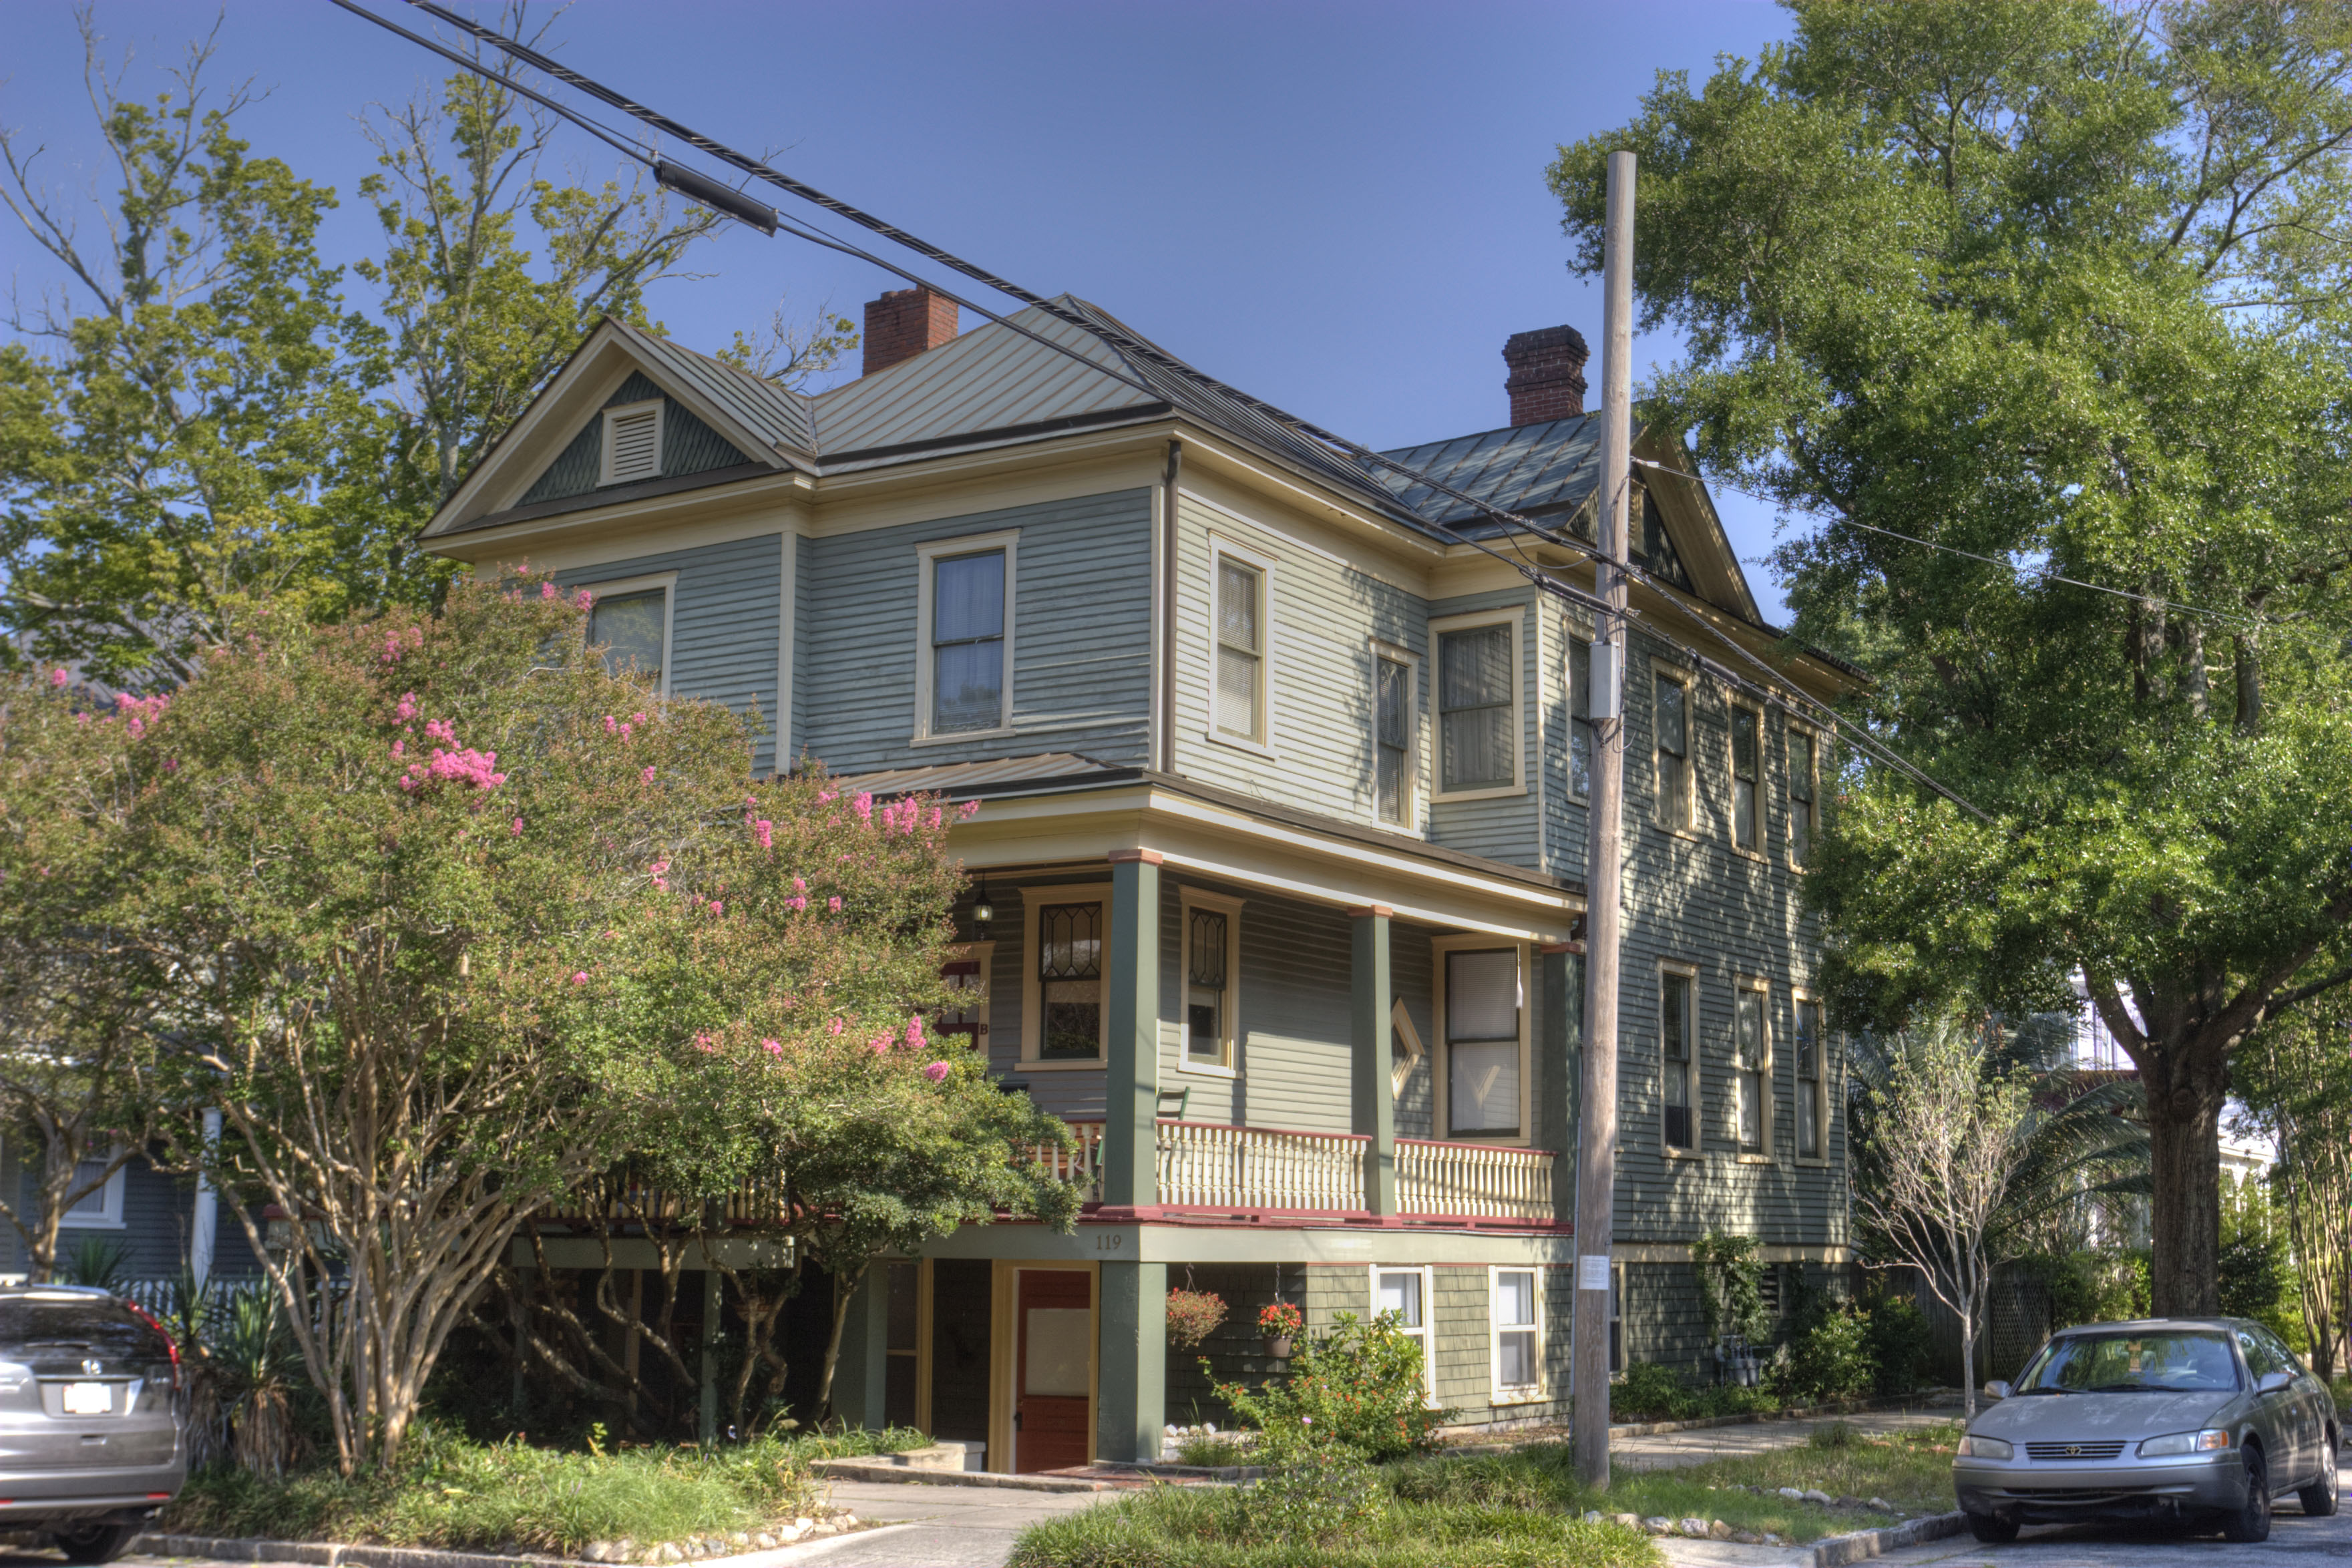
(1392, 705)
(1675, 1036)
(1752, 1053)
(1477, 707)
(963, 660)
(633, 443)
(1813, 1095)
(1483, 1039)
(1212, 951)
(1241, 650)
(1070, 981)
(630, 621)
(1804, 784)
(1670, 729)
(1579, 718)
(1747, 797)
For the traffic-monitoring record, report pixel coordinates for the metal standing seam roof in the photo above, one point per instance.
(1547, 467)
(778, 416)
(947, 778)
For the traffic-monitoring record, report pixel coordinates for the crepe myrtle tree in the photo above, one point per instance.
(462, 919)
(77, 1061)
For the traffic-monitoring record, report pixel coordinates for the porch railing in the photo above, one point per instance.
(1214, 1166)
(751, 1206)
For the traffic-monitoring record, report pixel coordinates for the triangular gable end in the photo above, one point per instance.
(687, 446)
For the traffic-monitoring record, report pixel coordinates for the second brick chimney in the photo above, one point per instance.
(1547, 379)
(905, 322)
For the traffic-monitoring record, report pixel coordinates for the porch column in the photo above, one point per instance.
(713, 1303)
(1133, 1389)
(1370, 998)
(1559, 1031)
(860, 1378)
(1132, 1078)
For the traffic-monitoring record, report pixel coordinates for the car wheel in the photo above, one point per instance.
(2319, 1499)
(95, 1542)
(1993, 1527)
(2253, 1522)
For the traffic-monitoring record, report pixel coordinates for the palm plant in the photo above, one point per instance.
(256, 1367)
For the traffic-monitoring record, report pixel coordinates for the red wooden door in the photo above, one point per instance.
(1055, 1324)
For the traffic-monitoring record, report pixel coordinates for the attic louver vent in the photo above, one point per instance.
(633, 441)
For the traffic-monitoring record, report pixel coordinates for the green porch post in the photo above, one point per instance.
(1131, 1083)
(860, 1378)
(1560, 1030)
(1370, 998)
(1134, 1361)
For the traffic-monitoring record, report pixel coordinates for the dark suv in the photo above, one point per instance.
(89, 1417)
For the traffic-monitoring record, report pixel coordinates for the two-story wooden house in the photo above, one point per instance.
(1275, 889)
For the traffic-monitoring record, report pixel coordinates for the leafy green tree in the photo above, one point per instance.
(2063, 287)
(2295, 1079)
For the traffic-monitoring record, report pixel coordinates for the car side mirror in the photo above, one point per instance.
(2271, 1382)
(1996, 1389)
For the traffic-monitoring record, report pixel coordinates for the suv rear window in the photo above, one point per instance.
(92, 1326)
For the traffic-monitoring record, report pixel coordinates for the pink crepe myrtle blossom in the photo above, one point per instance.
(937, 1072)
(774, 1048)
(799, 884)
(827, 796)
(399, 748)
(467, 766)
(968, 810)
(624, 729)
(797, 902)
(936, 816)
(579, 977)
(610, 726)
(518, 827)
(637, 718)
(879, 1044)
(836, 1026)
(833, 903)
(915, 1033)
(763, 833)
(58, 677)
(547, 590)
(864, 806)
(705, 1041)
(407, 708)
(441, 730)
(583, 599)
(645, 777)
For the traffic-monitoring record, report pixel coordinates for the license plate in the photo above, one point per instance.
(89, 1399)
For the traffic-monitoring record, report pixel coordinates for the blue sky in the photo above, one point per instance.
(1339, 207)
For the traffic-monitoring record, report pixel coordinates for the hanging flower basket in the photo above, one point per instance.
(1277, 1325)
(1193, 1316)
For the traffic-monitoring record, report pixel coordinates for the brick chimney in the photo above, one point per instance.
(905, 322)
(1547, 379)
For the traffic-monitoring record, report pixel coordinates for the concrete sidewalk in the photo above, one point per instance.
(949, 1527)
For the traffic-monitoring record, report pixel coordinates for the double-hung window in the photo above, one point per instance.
(630, 621)
(1751, 1051)
(101, 1206)
(1675, 1038)
(1813, 1095)
(1483, 1042)
(1212, 951)
(1805, 785)
(1404, 1292)
(966, 642)
(1239, 698)
(1747, 775)
(1516, 1312)
(1392, 706)
(1477, 707)
(1579, 718)
(1070, 981)
(1670, 734)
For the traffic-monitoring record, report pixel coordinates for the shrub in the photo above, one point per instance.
(1649, 1389)
(1193, 1316)
(1320, 1496)
(1900, 1346)
(1213, 1450)
(1828, 1355)
(1357, 1387)
(1730, 1272)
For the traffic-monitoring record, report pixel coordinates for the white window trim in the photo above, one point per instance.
(1514, 616)
(1696, 1147)
(604, 451)
(1007, 540)
(1187, 900)
(110, 1197)
(1499, 1393)
(1441, 1071)
(1263, 743)
(667, 583)
(1751, 985)
(1798, 998)
(1032, 995)
(1688, 681)
(1415, 1053)
(1735, 707)
(1427, 1332)
(1788, 837)
(1412, 661)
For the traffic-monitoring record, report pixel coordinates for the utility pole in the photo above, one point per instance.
(1596, 1143)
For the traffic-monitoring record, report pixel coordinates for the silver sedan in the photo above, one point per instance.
(2203, 1420)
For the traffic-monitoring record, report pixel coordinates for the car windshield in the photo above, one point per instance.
(2163, 1362)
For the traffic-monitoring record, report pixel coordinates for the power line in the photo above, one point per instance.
(2051, 574)
(1540, 577)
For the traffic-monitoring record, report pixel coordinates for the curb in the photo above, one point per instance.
(1863, 1544)
(902, 1475)
(326, 1554)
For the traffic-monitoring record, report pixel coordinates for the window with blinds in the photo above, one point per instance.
(1675, 1050)
(1240, 700)
(1670, 735)
(1751, 1066)
(1747, 797)
(1812, 1097)
(967, 643)
(1392, 739)
(633, 443)
(1478, 737)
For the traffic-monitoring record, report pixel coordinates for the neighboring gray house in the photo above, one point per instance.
(1275, 890)
(155, 1220)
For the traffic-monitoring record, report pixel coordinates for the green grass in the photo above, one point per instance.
(1213, 1450)
(449, 1492)
(1195, 1527)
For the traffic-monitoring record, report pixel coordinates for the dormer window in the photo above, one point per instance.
(633, 443)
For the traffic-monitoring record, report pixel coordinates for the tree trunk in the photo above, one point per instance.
(844, 1291)
(2184, 1086)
